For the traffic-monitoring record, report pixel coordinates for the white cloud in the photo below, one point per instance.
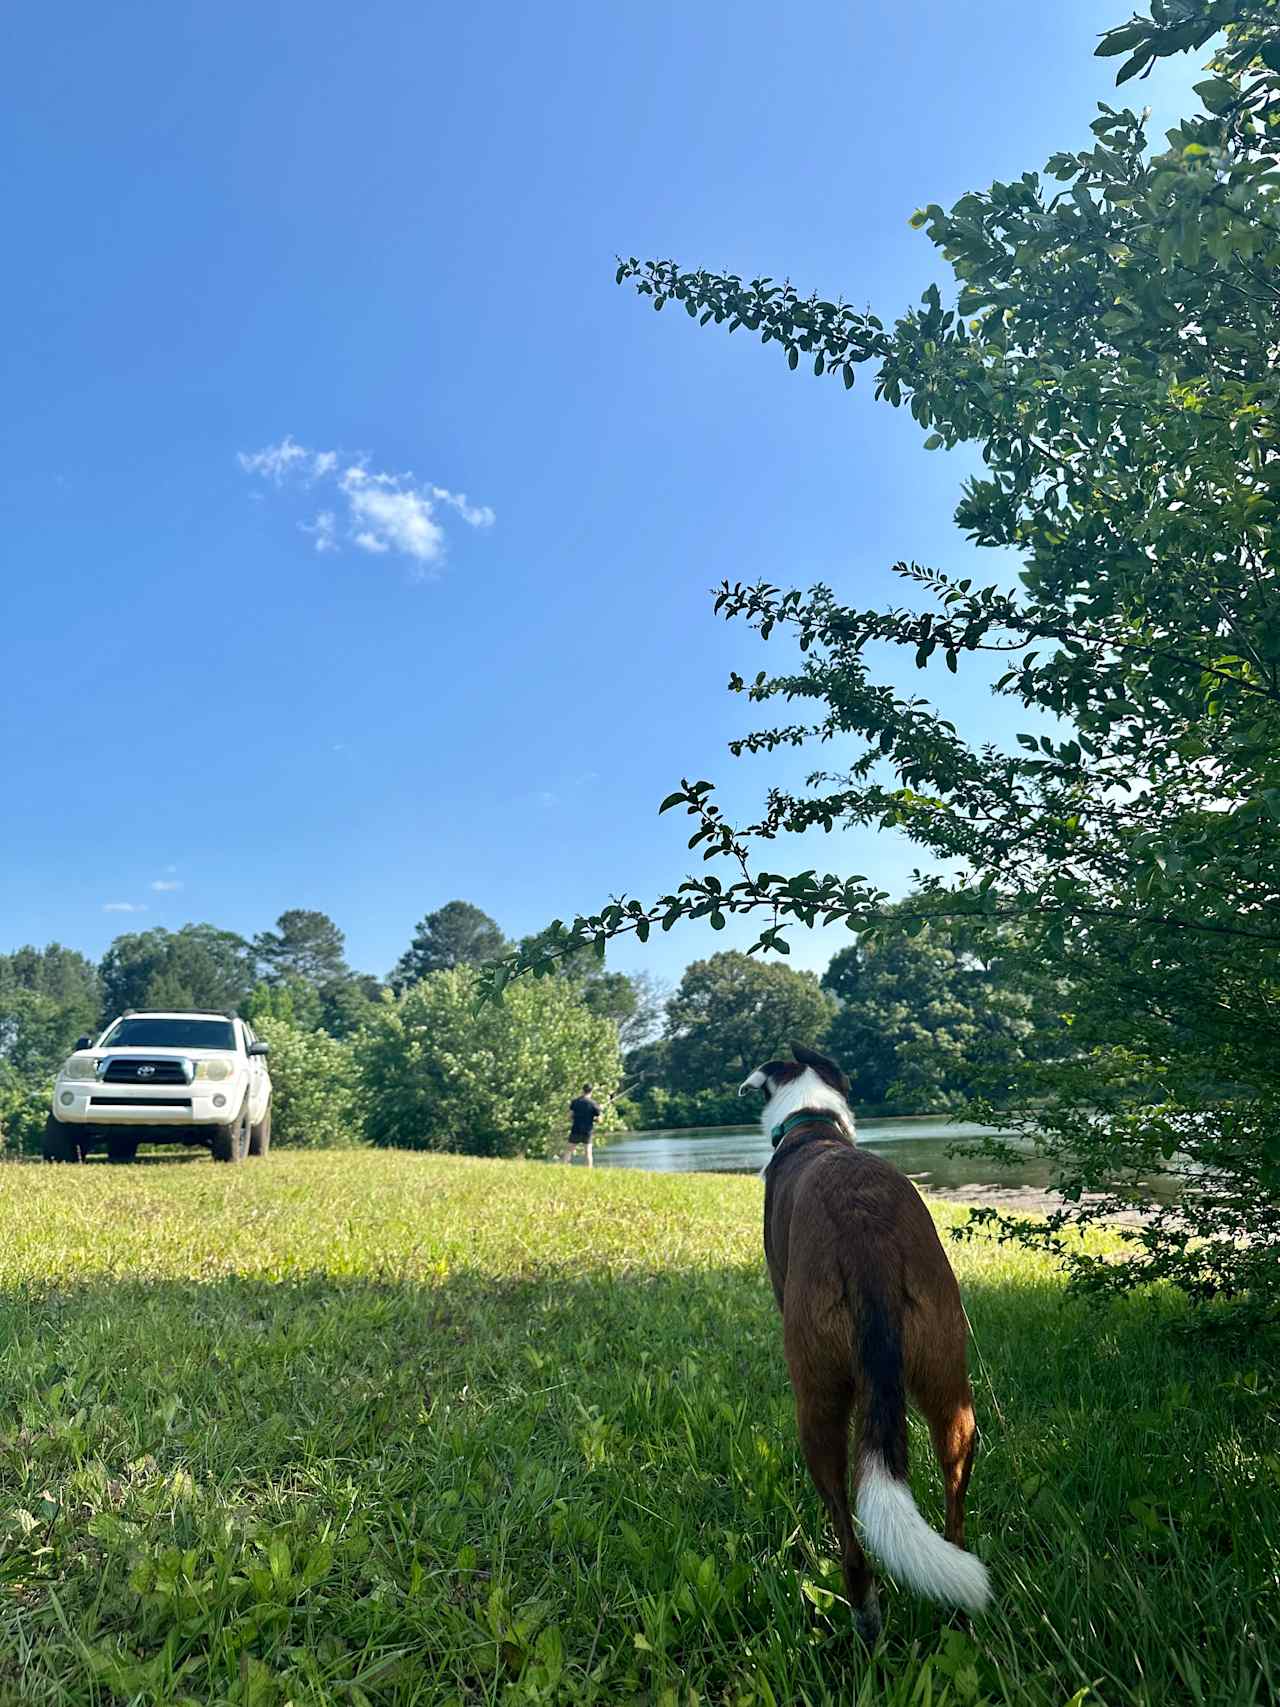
(384, 512)
(275, 462)
(166, 885)
(391, 517)
(475, 515)
(324, 531)
(124, 907)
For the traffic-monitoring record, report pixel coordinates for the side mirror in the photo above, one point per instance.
(84, 1042)
(259, 1049)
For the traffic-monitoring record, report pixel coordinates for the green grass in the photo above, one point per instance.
(369, 1428)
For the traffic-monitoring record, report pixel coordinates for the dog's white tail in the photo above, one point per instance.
(915, 1554)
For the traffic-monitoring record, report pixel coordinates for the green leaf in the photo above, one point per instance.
(1141, 61)
(1121, 40)
(1217, 94)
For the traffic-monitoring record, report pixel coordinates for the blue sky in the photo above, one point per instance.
(456, 640)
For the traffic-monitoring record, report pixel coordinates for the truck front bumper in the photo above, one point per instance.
(93, 1104)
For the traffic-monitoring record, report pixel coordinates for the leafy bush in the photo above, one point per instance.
(24, 1107)
(443, 1072)
(316, 1100)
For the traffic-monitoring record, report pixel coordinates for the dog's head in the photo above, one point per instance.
(771, 1078)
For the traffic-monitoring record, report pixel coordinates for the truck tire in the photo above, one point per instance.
(260, 1135)
(121, 1149)
(60, 1143)
(231, 1141)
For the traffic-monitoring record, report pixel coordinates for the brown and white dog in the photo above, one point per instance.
(871, 1313)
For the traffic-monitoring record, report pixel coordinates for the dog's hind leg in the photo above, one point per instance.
(823, 1421)
(955, 1434)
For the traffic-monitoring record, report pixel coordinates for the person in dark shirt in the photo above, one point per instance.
(584, 1113)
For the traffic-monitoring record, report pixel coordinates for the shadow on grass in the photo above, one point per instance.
(588, 1487)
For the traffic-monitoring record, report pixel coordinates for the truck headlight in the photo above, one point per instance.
(79, 1067)
(214, 1069)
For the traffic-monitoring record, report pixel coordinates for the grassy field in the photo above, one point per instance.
(368, 1428)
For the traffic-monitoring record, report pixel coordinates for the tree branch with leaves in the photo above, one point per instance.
(1112, 350)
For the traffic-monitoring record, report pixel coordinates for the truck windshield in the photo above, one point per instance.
(170, 1034)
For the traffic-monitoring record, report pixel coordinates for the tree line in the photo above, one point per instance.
(413, 1059)
(924, 1019)
(921, 1021)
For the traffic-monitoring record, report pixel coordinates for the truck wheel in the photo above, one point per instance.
(231, 1141)
(61, 1143)
(260, 1135)
(121, 1149)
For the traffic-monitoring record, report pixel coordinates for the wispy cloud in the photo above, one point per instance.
(475, 515)
(276, 462)
(323, 531)
(385, 513)
(124, 906)
(167, 885)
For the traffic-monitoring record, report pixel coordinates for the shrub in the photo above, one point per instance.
(24, 1108)
(442, 1071)
(316, 1099)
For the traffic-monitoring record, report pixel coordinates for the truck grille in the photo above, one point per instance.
(121, 1071)
(132, 1102)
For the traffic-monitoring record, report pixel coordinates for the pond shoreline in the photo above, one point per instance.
(928, 1149)
(1021, 1199)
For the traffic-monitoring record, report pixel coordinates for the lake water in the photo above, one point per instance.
(916, 1144)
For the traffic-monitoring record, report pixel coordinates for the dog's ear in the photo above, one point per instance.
(767, 1077)
(823, 1066)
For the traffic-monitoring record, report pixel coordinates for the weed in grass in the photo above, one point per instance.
(382, 1429)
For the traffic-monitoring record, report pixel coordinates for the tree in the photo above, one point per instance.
(931, 1017)
(62, 974)
(305, 947)
(643, 1022)
(198, 966)
(1111, 353)
(633, 1000)
(48, 998)
(347, 1004)
(456, 934)
(341, 1007)
(442, 1072)
(730, 1013)
(612, 995)
(36, 1034)
(293, 1003)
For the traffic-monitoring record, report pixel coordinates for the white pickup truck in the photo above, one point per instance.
(163, 1078)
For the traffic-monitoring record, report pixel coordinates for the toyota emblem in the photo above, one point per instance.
(146, 1072)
